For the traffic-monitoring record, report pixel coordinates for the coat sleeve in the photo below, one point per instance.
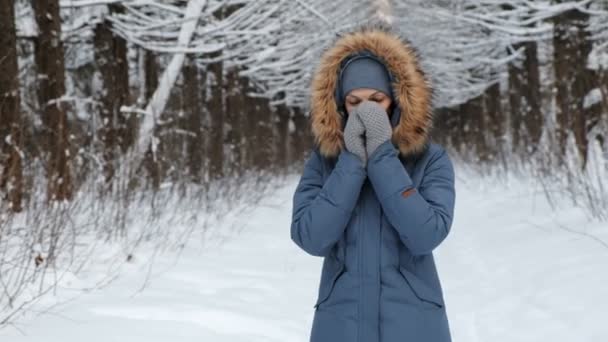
(422, 216)
(321, 211)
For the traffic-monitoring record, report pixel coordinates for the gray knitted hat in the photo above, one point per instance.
(364, 72)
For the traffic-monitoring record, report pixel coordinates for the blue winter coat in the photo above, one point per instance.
(376, 226)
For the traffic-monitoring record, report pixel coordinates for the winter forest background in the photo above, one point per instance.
(143, 122)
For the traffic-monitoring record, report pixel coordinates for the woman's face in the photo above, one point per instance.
(356, 96)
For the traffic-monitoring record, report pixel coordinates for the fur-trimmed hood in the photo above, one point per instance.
(411, 89)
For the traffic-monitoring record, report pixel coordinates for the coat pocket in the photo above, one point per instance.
(328, 280)
(421, 289)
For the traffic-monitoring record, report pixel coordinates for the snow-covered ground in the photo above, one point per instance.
(512, 270)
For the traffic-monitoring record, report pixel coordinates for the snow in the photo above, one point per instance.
(592, 98)
(511, 269)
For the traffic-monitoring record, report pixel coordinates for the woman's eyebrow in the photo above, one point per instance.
(358, 98)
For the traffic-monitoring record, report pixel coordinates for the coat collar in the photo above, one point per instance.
(411, 89)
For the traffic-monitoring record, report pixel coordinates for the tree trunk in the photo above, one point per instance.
(445, 126)
(525, 100)
(151, 74)
(574, 80)
(602, 116)
(48, 50)
(455, 124)
(515, 112)
(111, 59)
(11, 172)
(264, 134)
(475, 127)
(235, 114)
(301, 136)
(251, 137)
(534, 119)
(283, 143)
(194, 118)
(216, 111)
(259, 134)
(496, 128)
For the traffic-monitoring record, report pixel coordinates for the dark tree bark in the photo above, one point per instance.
(216, 112)
(597, 109)
(151, 74)
(602, 115)
(150, 84)
(525, 100)
(250, 132)
(445, 126)
(301, 136)
(574, 80)
(440, 126)
(235, 110)
(193, 103)
(534, 119)
(235, 114)
(11, 171)
(219, 85)
(462, 134)
(475, 127)
(111, 58)
(264, 135)
(515, 114)
(496, 123)
(282, 113)
(48, 50)
(454, 124)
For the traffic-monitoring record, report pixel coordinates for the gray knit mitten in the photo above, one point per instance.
(378, 128)
(354, 135)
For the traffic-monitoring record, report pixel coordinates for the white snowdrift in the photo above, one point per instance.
(511, 269)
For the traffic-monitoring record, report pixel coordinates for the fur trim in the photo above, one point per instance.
(411, 88)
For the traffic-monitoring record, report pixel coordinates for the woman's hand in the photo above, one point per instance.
(376, 124)
(354, 137)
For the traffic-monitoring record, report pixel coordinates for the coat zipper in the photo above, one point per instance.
(379, 266)
(359, 259)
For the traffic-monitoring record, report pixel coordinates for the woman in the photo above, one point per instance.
(376, 196)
